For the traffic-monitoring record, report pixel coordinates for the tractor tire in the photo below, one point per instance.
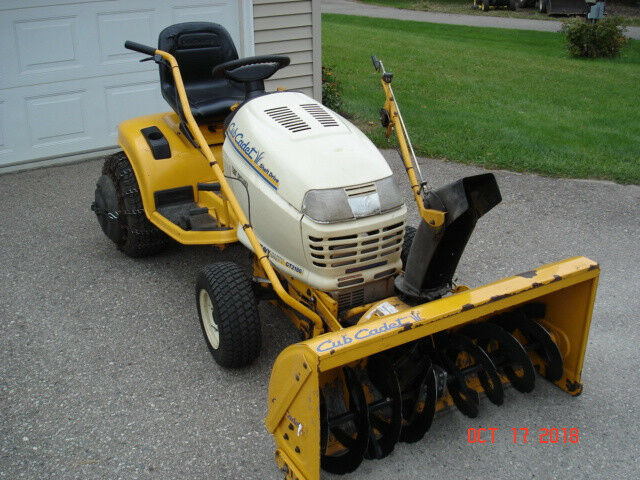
(485, 5)
(228, 314)
(118, 206)
(409, 234)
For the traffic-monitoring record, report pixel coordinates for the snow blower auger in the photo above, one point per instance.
(385, 366)
(388, 339)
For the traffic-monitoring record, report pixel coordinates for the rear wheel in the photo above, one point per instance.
(118, 206)
(228, 314)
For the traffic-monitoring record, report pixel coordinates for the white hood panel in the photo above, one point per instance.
(295, 144)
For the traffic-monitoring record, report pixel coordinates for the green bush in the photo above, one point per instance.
(604, 38)
(331, 90)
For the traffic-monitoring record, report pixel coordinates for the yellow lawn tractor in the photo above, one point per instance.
(389, 339)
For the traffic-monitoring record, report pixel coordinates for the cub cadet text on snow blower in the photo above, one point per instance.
(389, 338)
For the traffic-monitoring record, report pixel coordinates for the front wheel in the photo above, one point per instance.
(228, 314)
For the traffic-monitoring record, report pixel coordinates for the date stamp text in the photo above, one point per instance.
(523, 435)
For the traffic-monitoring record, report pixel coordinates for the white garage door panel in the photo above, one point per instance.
(58, 118)
(114, 26)
(119, 104)
(67, 80)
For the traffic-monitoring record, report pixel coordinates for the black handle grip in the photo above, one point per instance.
(376, 62)
(138, 47)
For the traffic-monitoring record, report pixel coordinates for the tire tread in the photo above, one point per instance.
(140, 237)
(236, 313)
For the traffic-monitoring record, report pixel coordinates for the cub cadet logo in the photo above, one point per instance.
(366, 332)
(250, 155)
(282, 261)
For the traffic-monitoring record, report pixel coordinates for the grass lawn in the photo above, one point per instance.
(629, 14)
(510, 99)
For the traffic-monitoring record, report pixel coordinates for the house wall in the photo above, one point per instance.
(292, 28)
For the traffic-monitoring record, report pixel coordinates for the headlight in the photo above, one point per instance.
(336, 205)
(389, 193)
(326, 206)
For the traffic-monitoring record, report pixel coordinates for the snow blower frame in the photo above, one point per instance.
(375, 374)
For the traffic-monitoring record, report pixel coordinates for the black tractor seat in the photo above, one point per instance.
(199, 47)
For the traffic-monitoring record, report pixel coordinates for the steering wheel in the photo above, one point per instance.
(251, 69)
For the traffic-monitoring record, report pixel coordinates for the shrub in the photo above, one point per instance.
(331, 90)
(604, 38)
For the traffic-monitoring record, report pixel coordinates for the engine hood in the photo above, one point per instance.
(294, 144)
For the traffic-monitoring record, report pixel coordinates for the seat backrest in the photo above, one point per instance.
(197, 47)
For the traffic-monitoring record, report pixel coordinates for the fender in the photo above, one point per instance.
(185, 167)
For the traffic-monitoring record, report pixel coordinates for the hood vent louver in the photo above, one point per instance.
(320, 114)
(288, 119)
(361, 190)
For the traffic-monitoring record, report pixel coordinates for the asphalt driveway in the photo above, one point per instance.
(104, 373)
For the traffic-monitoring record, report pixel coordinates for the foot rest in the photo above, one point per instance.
(198, 211)
(209, 187)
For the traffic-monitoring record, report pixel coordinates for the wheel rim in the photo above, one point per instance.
(210, 325)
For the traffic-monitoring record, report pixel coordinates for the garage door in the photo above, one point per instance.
(66, 80)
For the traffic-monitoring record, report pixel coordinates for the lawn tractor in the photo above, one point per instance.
(388, 337)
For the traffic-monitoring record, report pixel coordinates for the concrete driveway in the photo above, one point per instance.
(104, 373)
(350, 7)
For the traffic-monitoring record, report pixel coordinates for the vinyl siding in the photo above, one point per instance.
(292, 28)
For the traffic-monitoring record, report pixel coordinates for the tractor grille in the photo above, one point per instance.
(288, 119)
(320, 114)
(357, 251)
(350, 298)
(370, 292)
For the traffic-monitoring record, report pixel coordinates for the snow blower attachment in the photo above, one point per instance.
(435, 252)
(388, 338)
(352, 393)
